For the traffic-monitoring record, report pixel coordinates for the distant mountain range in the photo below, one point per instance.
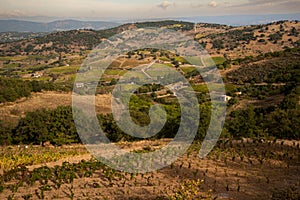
(242, 20)
(16, 25)
(231, 20)
(63, 25)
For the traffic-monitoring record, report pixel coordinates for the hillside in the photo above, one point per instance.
(76, 41)
(239, 42)
(261, 80)
(15, 36)
(232, 42)
(62, 25)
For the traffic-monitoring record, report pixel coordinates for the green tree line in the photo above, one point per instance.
(12, 89)
(57, 126)
(276, 121)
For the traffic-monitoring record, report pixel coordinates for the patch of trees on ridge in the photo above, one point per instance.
(277, 67)
(278, 122)
(12, 89)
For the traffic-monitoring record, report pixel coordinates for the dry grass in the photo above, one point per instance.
(11, 112)
(245, 103)
(254, 48)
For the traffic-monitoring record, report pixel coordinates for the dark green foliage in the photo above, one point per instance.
(232, 38)
(139, 111)
(218, 44)
(193, 73)
(262, 40)
(110, 127)
(56, 126)
(87, 38)
(5, 133)
(277, 67)
(282, 122)
(275, 37)
(252, 123)
(169, 23)
(149, 88)
(243, 123)
(12, 89)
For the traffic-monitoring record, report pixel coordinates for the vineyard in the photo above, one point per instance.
(249, 169)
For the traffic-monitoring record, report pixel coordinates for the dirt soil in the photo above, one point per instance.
(227, 174)
(11, 112)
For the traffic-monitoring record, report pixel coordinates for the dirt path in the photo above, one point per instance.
(129, 146)
(75, 159)
(232, 68)
(274, 100)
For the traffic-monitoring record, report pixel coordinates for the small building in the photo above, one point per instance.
(225, 98)
(159, 61)
(79, 85)
(37, 75)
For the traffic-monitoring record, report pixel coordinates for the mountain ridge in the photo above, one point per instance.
(13, 25)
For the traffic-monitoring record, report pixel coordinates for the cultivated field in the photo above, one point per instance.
(245, 169)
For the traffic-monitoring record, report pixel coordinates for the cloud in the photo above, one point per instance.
(193, 5)
(164, 5)
(13, 13)
(213, 4)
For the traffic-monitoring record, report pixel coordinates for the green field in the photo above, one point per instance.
(187, 69)
(180, 59)
(200, 88)
(219, 60)
(13, 58)
(11, 66)
(114, 72)
(195, 61)
(63, 70)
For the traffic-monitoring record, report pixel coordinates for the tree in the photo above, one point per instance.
(243, 123)
(113, 82)
(56, 126)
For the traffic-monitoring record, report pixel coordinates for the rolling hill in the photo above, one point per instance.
(63, 25)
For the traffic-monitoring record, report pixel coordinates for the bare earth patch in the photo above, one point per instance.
(11, 112)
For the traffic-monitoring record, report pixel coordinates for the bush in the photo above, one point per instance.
(56, 126)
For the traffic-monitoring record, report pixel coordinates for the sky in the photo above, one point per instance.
(142, 9)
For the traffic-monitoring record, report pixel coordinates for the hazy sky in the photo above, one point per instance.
(130, 9)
